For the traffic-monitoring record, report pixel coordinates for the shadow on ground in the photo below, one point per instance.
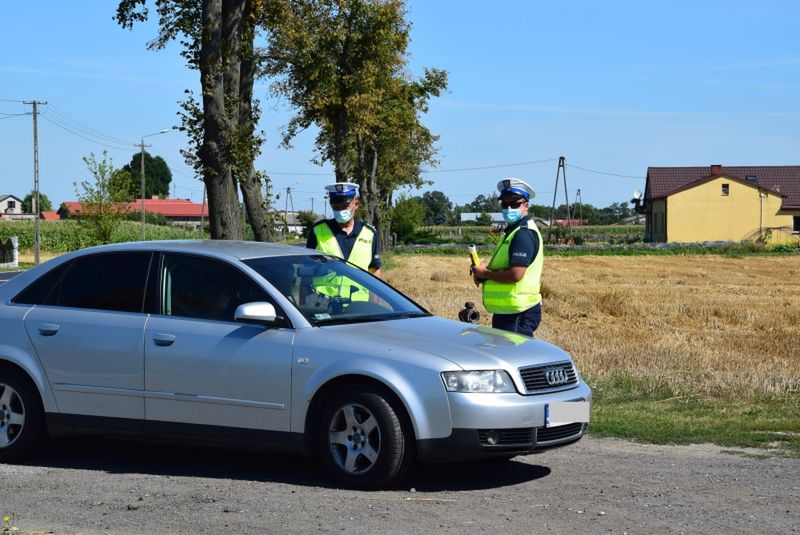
(126, 457)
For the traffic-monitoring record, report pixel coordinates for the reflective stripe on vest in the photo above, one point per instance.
(512, 298)
(361, 256)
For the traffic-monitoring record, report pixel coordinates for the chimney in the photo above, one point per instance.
(716, 169)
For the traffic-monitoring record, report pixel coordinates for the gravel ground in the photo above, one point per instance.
(595, 486)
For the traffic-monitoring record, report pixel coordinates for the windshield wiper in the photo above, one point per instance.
(373, 317)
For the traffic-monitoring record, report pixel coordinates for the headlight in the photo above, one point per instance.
(478, 381)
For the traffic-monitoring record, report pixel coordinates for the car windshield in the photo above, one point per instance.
(327, 290)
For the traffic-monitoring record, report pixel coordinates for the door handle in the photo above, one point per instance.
(163, 339)
(48, 329)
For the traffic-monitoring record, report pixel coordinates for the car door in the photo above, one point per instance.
(206, 373)
(88, 331)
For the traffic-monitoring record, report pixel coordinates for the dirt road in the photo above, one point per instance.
(596, 486)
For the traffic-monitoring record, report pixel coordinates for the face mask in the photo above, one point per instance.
(342, 216)
(512, 215)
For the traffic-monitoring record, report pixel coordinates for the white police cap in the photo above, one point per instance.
(342, 190)
(515, 186)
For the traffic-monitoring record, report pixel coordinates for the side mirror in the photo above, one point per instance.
(258, 312)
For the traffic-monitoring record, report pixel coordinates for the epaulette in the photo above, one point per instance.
(372, 228)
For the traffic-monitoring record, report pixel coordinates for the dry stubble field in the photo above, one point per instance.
(703, 325)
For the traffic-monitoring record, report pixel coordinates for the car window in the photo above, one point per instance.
(38, 292)
(108, 281)
(327, 290)
(195, 287)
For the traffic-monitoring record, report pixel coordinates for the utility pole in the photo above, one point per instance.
(312, 205)
(142, 170)
(580, 208)
(35, 204)
(561, 172)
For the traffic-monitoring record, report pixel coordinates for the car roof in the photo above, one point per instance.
(241, 250)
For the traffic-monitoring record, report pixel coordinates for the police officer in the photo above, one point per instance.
(344, 235)
(512, 279)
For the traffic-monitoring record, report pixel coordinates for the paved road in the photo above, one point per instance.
(596, 486)
(5, 275)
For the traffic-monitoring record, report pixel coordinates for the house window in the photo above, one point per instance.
(12, 204)
(796, 226)
(726, 189)
(752, 179)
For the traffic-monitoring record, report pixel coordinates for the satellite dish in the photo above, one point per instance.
(637, 193)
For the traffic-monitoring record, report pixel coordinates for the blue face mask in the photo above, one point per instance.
(511, 216)
(342, 216)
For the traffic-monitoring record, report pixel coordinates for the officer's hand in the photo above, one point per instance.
(479, 274)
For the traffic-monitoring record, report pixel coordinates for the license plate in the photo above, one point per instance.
(565, 412)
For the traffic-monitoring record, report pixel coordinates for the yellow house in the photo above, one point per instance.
(698, 204)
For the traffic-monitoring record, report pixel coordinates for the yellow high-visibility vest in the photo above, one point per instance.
(361, 256)
(512, 298)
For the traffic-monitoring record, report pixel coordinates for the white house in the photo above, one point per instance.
(10, 204)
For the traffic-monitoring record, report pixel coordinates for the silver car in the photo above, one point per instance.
(275, 346)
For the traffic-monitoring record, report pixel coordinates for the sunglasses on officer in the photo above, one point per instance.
(512, 203)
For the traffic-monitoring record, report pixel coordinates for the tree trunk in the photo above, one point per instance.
(248, 180)
(222, 199)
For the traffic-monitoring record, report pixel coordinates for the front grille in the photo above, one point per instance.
(546, 434)
(535, 377)
(507, 436)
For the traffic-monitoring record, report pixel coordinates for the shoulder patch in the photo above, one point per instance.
(368, 226)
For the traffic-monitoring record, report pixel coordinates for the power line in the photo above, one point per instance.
(9, 116)
(9, 100)
(602, 172)
(498, 166)
(51, 120)
(85, 128)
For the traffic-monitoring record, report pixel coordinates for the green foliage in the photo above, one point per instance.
(407, 216)
(149, 218)
(438, 208)
(157, 176)
(44, 203)
(70, 235)
(306, 218)
(103, 201)
(483, 219)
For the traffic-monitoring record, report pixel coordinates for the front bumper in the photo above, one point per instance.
(499, 425)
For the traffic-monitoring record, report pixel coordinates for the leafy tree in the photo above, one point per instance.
(306, 218)
(341, 64)
(437, 208)
(484, 219)
(104, 201)
(156, 173)
(407, 216)
(44, 203)
(485, 203)
(218, 41)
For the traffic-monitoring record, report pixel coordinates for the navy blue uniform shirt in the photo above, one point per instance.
(346, 241)
(524, 245)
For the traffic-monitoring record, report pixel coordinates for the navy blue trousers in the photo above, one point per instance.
(524, 322)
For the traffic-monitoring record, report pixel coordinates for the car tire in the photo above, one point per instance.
(363, 437)
(22, 428)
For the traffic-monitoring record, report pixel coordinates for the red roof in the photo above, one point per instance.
(50, 216)
(783, 179)
(166, 207)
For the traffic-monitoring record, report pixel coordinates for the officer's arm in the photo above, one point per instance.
(375, 265)
(311, 241)
(511, 274)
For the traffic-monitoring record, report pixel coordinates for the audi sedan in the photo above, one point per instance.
(273, 346)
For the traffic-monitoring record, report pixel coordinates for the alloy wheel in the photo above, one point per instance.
(12, 415)
(354, 438)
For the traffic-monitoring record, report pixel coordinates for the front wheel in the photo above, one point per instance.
(364, 441)
(21, 416)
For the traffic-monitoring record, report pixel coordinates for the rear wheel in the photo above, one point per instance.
(21, 416)
(363, 438)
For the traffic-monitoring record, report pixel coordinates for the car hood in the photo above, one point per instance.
(472, 347)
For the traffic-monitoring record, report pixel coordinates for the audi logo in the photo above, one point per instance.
(556, 376)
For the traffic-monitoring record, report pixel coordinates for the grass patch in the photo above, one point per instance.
(636, 409)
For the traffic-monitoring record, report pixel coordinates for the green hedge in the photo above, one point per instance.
(65, 236)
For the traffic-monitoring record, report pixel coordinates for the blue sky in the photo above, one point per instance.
(613, 86)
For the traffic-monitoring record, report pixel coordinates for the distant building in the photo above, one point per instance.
(178, 211)
(694, 204)
(10, 204)
(497, 218)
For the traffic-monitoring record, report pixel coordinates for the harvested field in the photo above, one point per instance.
(704, 325)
